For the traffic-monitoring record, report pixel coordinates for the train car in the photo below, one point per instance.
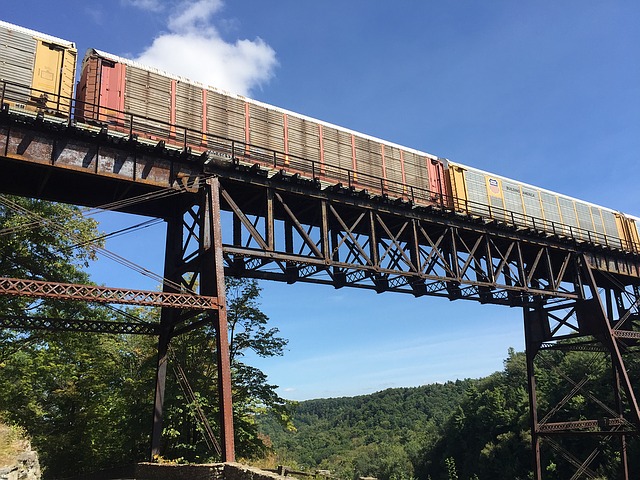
(628, 228)
(110, 86)
(37, 71)
(487, 195)
(112, 89)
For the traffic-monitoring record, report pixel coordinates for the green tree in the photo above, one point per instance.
(252, 394)
(383, 435)
(65, 389)
(38, 241)
(71, 392)
(86, 399)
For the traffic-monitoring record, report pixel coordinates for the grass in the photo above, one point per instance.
(13, 441)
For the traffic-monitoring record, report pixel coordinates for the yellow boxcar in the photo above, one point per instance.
(37, 71)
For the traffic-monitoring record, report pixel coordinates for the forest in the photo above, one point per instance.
(84, 400)
(466, 430)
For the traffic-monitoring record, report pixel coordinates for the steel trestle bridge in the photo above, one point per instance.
(237, 209)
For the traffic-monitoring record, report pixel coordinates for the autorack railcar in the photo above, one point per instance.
(488, 195)
(111, 85)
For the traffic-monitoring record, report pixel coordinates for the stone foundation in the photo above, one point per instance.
(214, 471)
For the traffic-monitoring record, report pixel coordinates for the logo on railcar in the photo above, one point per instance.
(494, 186)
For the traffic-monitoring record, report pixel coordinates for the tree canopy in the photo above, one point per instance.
(86, 399)
(472, 429)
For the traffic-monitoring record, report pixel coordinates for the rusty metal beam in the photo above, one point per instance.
(77, 325)
(563, 427)
(90, 293)
(169, 318)
(213, 282)
(83, 148)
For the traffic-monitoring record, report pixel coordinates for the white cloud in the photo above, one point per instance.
(149, 5)
(191, 16)
(193, 48)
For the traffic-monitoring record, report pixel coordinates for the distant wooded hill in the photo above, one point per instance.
(463, 430)
(382, 434)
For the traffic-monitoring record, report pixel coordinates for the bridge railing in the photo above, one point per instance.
(25, 100)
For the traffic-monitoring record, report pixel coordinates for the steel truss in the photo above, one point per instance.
(568, 291)
(93, 293)
(77, 325)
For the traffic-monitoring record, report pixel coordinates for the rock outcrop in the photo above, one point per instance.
(25, 467)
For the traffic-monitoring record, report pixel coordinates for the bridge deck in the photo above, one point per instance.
(88, 165)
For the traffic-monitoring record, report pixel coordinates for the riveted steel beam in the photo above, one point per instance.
(77, 325)
(91, 293)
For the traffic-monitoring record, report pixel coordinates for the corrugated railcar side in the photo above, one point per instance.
(477, 192)
(38, 69)
(628, 228)
(110, 84)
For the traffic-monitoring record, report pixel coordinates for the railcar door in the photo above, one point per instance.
(436, 180)
(51, 86)
(111, 101)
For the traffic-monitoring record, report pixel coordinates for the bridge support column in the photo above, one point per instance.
(200, 266)
(596, 331)
(533, 324)
(212, 279)
(168, 320)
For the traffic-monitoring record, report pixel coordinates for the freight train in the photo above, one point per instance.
(37, 73)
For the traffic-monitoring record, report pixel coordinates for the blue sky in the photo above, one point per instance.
(545, 92)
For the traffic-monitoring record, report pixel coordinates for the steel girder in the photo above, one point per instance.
(77, 325)
(98, 294)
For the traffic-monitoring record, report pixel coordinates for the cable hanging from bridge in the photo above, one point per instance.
(117, 233)
(107, 253)
(145, 197)
(187, 390)
(113, 206)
